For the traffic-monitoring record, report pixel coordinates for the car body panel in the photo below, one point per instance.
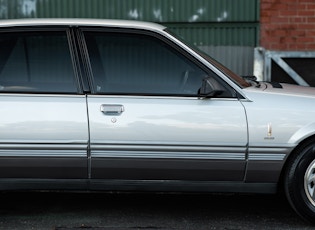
(43, 136)
(168, 138)
(274, 133)
(154, 144)
(291, 112)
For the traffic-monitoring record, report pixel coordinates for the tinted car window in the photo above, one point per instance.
(36, 62)
(125, 63)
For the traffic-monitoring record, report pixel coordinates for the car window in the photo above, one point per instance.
(129, 63)
(230, 74)
(36, 62)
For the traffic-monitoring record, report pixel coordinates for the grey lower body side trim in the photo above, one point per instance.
(43, 184)
(136, 186)
(183, 186)
(265, 164)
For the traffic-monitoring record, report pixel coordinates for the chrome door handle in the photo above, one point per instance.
(112, 109)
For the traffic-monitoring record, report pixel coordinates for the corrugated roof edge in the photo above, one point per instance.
(81, 22)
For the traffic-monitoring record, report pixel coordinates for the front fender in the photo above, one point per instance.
(302, 134)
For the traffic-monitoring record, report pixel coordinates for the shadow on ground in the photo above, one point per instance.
(64, 211)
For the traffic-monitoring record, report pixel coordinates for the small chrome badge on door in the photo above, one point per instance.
(269, 132)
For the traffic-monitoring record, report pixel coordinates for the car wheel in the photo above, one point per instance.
(299, 181)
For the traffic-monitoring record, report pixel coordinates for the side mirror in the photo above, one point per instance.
(208, 88)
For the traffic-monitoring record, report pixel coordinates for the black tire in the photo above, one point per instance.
(299, 187)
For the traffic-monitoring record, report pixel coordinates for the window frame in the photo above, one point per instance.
(161, 38)
(71, 41)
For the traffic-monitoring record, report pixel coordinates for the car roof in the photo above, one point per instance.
(81, 22)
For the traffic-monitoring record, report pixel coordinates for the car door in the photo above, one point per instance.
(44, 130)
(146, 119)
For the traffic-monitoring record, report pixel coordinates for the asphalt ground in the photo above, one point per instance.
(73, 211)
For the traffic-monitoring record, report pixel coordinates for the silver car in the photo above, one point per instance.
(126, 106)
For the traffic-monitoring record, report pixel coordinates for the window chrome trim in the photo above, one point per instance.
(14, 94)
(160, 97)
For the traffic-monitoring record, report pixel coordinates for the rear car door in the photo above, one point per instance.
(44, 130)
(146, 119)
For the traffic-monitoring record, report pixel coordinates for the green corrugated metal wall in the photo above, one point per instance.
(149, 10)
(206, 23)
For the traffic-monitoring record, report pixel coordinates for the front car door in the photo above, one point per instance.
(147, 122)
(44, 128)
